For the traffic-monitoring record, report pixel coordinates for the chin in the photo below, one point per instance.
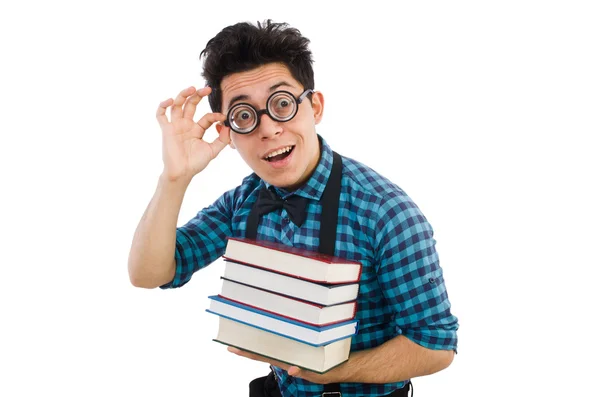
(285, 180)
(288, 178)
(284, 183)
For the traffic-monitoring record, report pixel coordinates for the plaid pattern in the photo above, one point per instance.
(402, 288)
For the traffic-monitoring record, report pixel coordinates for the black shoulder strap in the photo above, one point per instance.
(252, 222)
(330, 208)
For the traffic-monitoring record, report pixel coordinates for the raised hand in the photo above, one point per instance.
(185, 152)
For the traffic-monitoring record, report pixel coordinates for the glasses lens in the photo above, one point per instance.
(282, 106)
(242, 118)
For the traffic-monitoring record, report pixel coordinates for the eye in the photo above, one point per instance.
(283, 103)
(282, 106)
(243, 117)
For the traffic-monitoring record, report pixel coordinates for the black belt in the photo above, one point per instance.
(266, 386)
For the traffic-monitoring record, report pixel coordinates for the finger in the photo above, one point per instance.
(204, 91)
(257, 357)
(189, 109)
(179, 101)
(246, 354)
(209, 119)
(294, 371)
(161, 112)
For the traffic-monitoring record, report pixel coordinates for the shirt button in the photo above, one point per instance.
(286, 220)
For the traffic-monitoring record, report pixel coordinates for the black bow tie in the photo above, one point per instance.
(295, 206)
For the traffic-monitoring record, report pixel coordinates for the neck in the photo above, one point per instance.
(312, 166)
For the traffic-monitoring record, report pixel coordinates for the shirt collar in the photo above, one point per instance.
(314, 187)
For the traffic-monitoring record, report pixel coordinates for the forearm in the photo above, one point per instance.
(396, 360)
(152, 256)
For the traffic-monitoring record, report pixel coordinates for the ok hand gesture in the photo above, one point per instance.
(185, 153)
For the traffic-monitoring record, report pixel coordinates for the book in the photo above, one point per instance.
(314, 358)
(293, 308)
(301, 332)
(291, 261)
(322, 294)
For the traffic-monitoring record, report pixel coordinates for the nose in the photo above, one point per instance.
(268, 128)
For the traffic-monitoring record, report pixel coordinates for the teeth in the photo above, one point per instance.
(280, 151)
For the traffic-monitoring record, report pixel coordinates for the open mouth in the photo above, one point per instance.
(280, 154)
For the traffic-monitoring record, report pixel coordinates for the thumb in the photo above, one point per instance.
(294, 371)
(221, 142)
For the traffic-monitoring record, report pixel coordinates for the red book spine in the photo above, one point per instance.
(294, 275)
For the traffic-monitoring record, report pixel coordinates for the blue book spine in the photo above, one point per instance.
(280, 318)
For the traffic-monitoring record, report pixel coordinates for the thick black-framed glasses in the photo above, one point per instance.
(282, 106)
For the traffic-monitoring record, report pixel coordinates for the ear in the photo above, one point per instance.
(318, 105)
(219, 127)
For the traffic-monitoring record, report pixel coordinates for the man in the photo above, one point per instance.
(261, 89)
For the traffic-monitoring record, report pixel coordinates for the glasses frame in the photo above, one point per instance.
(260, 112)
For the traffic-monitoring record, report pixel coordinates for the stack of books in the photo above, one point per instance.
(289, 304)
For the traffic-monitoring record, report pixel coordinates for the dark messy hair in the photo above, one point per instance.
(243, 46)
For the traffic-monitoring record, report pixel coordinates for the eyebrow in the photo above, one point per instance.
(280, 84)
(245, 97)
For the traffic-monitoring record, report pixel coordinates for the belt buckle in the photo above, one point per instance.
(331, 394)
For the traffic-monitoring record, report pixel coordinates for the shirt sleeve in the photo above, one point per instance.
(202, 240)
(411, 277)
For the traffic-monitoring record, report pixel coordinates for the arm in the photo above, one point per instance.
(412, 283)
(152, 256)
(394, 361)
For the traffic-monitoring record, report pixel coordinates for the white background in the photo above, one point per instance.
(485, 113)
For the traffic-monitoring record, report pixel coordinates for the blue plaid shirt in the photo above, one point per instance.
(402, 287)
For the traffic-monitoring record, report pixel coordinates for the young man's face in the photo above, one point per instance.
(287, 170)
